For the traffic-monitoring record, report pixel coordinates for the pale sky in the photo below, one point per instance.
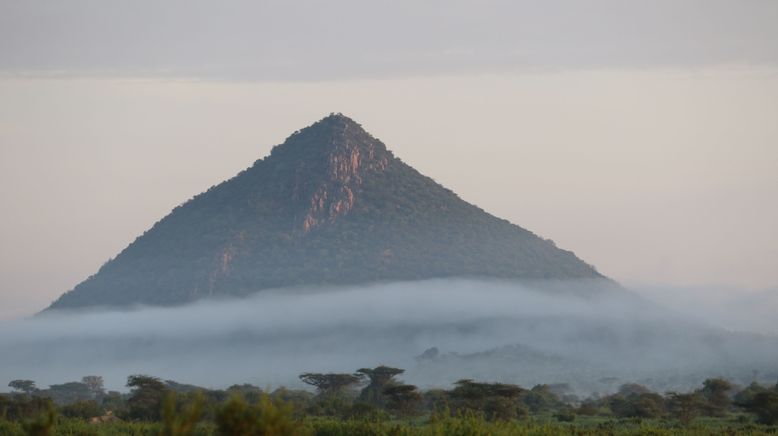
(641, 135)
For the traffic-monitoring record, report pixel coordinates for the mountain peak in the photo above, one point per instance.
(328, 162)
(331, 130)
(335, 134)
(338, 118)
(330, 205)
(334, 123)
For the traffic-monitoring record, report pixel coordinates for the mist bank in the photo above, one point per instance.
(590, 334)
(733, 308)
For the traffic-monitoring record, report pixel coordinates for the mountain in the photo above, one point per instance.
(330, 206)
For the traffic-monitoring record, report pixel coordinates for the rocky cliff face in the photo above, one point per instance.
(350, 157)
(331, 205)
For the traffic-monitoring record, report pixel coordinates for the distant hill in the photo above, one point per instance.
(330, 206)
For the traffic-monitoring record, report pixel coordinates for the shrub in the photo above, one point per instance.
(84, 409)
(264, 418)
(180, 422)
(565, 415)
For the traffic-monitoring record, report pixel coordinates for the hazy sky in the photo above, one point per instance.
(643, 135)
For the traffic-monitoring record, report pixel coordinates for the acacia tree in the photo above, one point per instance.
(146, 397)
(403, 399)
(330, 384)
(380, 378)
(26, 386)
(335, 396)
(495, 400)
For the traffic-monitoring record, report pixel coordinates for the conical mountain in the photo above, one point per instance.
(331, 205)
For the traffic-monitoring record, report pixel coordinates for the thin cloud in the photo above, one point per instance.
(574, 332)
(344, 39)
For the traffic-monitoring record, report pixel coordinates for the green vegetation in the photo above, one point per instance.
(373, 402)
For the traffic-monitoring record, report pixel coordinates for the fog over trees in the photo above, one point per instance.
(438, 331)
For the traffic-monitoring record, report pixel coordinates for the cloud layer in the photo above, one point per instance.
(313, 40)
(577, 333)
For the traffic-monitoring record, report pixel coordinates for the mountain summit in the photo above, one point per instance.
(330, 206)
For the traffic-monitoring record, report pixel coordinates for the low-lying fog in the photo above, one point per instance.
(731, 308)
(591, 335)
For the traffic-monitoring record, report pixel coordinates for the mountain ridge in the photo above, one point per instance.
(330, 205)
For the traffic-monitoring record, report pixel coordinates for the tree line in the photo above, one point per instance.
(372, 394)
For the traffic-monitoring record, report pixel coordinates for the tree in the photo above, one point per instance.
(636, 401)
(380, 378)
(648, 405)
(69, 392)
(335, 395)
(716, 394)
(146, 397)
(436, 400)
(765, 406)
(95, 385)
(26, 386)
(541, 399)
(588, 408)
(331, 384)
(685, 407)
(744, 397)
(495, 400)
(645, 405)
(403, 399)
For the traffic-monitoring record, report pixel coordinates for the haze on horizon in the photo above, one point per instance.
(574, 331)
(641, 136)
